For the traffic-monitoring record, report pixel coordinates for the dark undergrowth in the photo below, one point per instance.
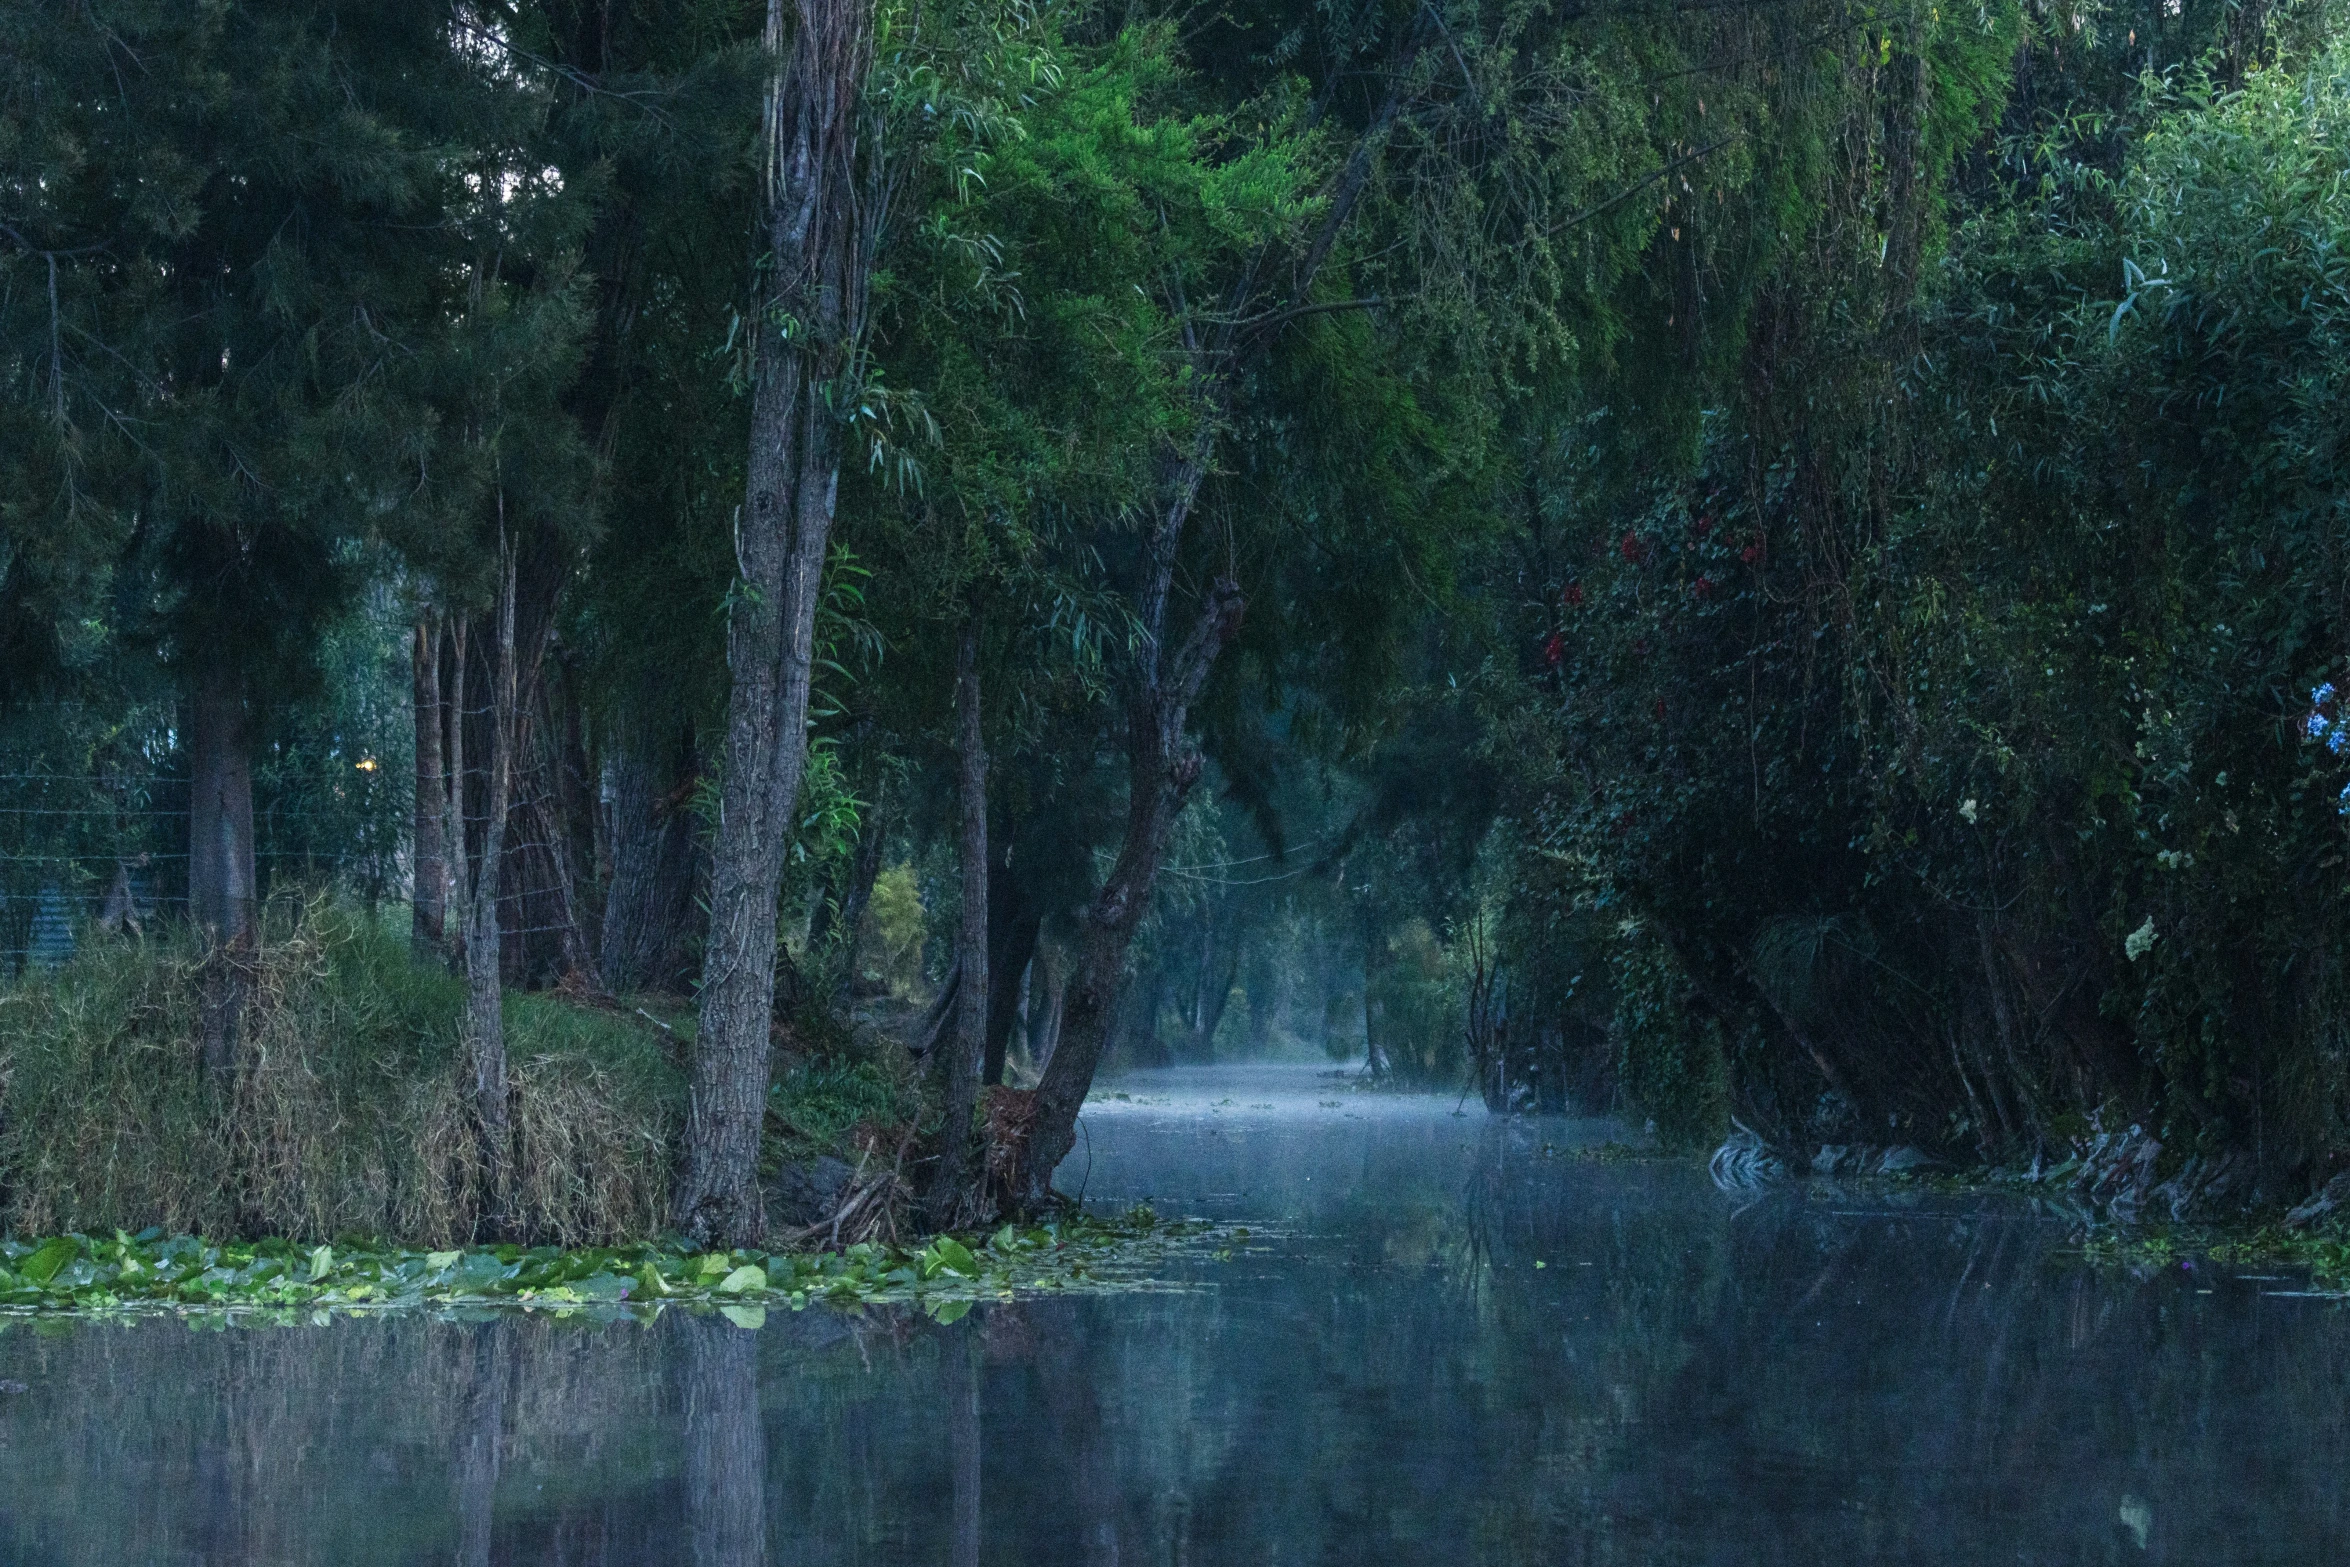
(345, 1116)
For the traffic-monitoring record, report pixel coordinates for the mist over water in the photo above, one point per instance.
(1446, 1339)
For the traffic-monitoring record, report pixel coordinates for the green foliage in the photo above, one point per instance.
(189, 1276)
(1670, 1059)
(899, 928)
(1413, 1002)
(821, 1099)
(1951, 721)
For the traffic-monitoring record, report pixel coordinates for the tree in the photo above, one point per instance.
(255, 225)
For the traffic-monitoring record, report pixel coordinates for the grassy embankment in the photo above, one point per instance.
(341, 1165)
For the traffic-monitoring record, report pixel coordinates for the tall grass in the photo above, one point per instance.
(345, 1117)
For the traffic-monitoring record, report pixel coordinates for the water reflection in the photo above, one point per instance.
(1449, 1345)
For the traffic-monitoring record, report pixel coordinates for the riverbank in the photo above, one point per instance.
(346, 1116)
(2131, 1241)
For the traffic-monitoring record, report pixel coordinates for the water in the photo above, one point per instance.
(1381, 1374)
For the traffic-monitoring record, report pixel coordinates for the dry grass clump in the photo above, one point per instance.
(345, 1116)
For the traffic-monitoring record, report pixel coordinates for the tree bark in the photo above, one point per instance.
(959, 1064)
(650, 908)
(1046, 1002)
(1219, 970)
(221, 875)
(1376, 962)
(805, 340)
(485, 1027)
(1016, 952)
(842, 920)
(1162, 767)
(429, 902)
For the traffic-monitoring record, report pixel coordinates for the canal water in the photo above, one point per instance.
(1447, 1339)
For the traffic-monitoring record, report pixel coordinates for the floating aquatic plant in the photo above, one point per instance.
(151, 1272)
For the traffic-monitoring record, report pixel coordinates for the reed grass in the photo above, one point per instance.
(345, 1118)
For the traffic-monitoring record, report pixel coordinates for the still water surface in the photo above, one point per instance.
(1447, 1341)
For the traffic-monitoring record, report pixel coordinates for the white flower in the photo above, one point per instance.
(1966, 808)
(2139, 942)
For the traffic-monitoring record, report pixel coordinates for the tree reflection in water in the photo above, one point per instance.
(1818, 1376)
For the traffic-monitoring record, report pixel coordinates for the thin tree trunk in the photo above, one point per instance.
(485, 1028)
(960, 1061)
(820, 264)
(429, 903)
(221, 877)
(457, 844)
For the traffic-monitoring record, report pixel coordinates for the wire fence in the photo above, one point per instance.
(92, 855)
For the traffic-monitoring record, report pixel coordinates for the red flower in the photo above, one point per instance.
(1573, 597)
(1750, 554)
(1632, 549)
(1554, 650)
(1703, 587)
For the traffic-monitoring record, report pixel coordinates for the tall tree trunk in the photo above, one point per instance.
(1215, 997)
(1162, 767)
(1377, 960)
(1013, 928)
(842, 919)
(806, 337)
(221, 877)
(725, 1445)
(650, 907)
(485, 1026)
(1046, 1001)
(960, 1061)
(429, 904)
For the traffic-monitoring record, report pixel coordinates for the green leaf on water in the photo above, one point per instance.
(753, 1317)
(743, 1279)
(602, 1286)
(53, 1254)
(952, 1256)
(321, 1261)
(947, 1312)
(437, 1260)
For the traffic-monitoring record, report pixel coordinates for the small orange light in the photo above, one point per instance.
(367, 764)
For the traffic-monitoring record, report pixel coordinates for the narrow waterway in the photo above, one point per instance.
(1447, 1339)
